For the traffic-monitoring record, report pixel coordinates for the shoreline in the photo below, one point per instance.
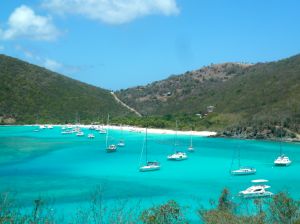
(136, 129)
(133, 129)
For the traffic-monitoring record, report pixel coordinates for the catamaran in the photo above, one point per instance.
(257, 190)
(282, 160)
(242, 170)
(150, 165)
(112, 147)
(177, 155)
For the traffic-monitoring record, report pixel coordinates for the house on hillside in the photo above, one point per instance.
(210, 109)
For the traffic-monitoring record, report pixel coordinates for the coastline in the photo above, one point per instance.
(137, 129)
(162, 131)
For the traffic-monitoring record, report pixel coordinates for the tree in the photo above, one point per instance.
(168, 213)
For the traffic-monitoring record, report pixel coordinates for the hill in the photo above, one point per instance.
(258, 96)
(30, 94)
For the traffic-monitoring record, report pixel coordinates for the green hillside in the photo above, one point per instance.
(261, 95)
(30, 94)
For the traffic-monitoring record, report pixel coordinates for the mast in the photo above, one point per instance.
(107, 131)
(239, 157)
(175, 137)
(146, 142)
(280, 142)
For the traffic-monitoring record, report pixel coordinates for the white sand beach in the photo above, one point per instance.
(141, 130)
(163, 131)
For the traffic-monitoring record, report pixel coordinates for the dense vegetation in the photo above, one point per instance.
(30, 94)
(280, 209)
(251, 101)
(260, 96)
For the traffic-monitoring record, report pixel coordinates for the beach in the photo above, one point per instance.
(139, 129)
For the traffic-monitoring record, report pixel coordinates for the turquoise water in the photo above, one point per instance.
(68, 168)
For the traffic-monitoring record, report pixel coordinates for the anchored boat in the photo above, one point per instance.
(257, 190)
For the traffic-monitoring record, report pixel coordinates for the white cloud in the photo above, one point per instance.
(52, 64)
(28, 54)
(23, 22)
(32, 56)
(113, 11)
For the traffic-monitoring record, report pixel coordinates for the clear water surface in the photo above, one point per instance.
(68, 168)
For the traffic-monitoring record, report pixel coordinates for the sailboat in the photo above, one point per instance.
(282, 160)
(177, 155)
(149, 165)
(112, 147)
(121, 142)
(191, 148)
(91, 136)
(242, 170)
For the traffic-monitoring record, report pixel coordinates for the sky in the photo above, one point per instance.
(117, 44)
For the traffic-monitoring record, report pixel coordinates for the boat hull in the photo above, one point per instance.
(282, 164)
(149, 168)
(177, 159)
(260, 195)
(242, 172)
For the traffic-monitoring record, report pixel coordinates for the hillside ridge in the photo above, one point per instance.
(31, 94)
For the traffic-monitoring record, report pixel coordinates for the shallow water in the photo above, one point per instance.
(68, 168)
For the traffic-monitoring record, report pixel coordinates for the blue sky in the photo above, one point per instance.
(123, 43)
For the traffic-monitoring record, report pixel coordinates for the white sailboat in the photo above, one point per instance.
(191, 148)
(42, 126)
(241, 170)
(282, 160)
(112, 147)
(80, 133)
(101, 130)
(121, 143)
(91, 135)
(177, 155)
(149, 165)
(257, 190)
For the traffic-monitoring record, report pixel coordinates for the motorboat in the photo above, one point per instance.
(257, 190)
(150, 166)
(121, 143)
(102, 131)
(67, 132)
(92, 127)
(111, 148)
(80, 133)
(177, 156)
(244, 171)
(282, 160)
(42, 127)
(49, 126)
